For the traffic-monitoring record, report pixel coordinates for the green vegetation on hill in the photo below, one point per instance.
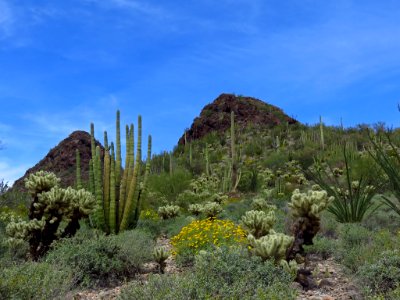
(243, 208)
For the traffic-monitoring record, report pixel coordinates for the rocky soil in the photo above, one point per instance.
(331, 282)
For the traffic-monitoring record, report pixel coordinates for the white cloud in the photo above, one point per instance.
(10, 173)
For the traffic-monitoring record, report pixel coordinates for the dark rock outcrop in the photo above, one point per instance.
(216, 116)
(61, 160)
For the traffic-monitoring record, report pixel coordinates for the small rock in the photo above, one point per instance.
(296, 286)
(325, 283)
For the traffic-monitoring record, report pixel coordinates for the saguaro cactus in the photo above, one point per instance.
(321, 130)
(120, 193)
(78, 170)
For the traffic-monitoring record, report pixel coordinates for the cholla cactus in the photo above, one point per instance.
(309, 204)
(50, 206)
(168, 211)
(291, 267)
(218, 198)
(262, 204)
(41, 181)
(259, 223)
(195, 209)
(305, 209)
(271, 246)
(212, 209)
(160, 255)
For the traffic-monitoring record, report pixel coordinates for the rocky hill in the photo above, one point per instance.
(62, 158)
(216, 116)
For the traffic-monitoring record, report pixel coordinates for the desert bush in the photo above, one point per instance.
(169, 185)
(103, 260)
(204, 234)
(36, 280)
(322, 246)
(383, 275)
(169, 227)
(234, 210)
(223, 274)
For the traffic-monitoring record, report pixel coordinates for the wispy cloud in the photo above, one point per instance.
(6, 19)
(11, 172)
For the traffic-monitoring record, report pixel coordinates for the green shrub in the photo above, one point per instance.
(322, 246)
(169, 186)
(33, 280)
(103, 260)
(222, 274)
(384, 274)
(169, 227)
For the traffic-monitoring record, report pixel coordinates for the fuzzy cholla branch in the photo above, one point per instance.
(309, 204)
(259, 223)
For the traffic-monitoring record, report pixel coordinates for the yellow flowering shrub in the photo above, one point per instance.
(149, 214)
(201, 234)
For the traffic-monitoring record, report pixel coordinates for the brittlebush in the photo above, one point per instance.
(203, 234)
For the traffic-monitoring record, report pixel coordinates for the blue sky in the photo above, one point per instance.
(64, 64)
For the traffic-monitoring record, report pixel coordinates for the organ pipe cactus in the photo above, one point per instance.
(51, 205)
(120, 192)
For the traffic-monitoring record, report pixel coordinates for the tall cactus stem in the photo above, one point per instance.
(118, 151)
(78, 170)
(134, 181)
(113, 193)
(143, 189)
(100, 222)
(321, 130)
(106, 180)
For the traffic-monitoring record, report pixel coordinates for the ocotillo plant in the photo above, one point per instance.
(119, 192)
